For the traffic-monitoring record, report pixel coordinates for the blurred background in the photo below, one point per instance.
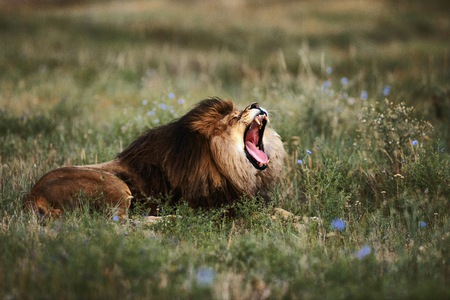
(109, 55)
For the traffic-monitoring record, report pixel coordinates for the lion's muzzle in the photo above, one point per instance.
(253, 139)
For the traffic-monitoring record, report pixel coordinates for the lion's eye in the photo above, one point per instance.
(233, 120)
(236, 115)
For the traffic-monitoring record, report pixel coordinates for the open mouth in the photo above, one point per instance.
(253, 139)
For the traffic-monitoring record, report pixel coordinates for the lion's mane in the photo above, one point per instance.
(195, 158)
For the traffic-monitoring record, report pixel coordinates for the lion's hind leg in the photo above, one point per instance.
(65, 188)
(40, 206)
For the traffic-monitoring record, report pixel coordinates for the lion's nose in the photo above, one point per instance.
(254, 105)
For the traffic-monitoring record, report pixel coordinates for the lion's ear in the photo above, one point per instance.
(206, 117)
(209, 125)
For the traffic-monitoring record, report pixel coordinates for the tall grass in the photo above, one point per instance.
(358, 91)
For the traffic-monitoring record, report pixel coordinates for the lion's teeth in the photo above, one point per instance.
(258, 121)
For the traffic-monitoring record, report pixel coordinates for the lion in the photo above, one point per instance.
(211, 157)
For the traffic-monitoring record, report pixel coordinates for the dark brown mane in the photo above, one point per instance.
(175, 159)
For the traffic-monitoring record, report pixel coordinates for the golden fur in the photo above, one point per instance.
(205, 158)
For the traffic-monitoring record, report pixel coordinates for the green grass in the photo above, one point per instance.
(79, 82)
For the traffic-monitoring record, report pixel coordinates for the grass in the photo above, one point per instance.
(81, 81)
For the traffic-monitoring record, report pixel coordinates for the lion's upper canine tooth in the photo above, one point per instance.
(257, 121)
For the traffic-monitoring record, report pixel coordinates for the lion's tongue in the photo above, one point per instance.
(251, 140)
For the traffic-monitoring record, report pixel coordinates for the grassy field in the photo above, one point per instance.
(358, 90)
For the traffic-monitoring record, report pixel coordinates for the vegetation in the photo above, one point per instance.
(358, 90)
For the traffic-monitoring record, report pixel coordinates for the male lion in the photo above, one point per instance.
(210, 157)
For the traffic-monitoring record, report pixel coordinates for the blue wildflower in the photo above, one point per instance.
(300, 162)
(150, 113)
(144, 102)
(308, 151)
(329, 70)
(180, 101)
(344, 81)
(422, 224)
(338, 224)
(205, 276)
(363, 252)
(386, 90)
(171, 95)
(326, 85)
(415, 143)
(116, 218)
(163, 106)
(364, 95)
